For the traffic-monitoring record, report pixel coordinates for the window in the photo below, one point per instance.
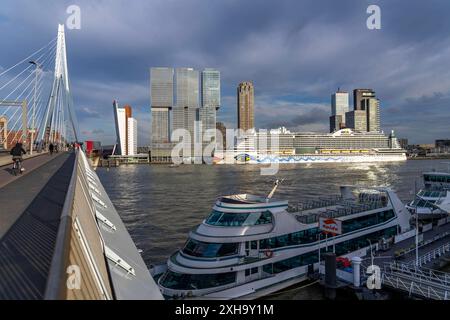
(209, 250)
(300, 237)
(182, 281)
(225, 219)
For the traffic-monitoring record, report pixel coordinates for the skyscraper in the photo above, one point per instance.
(357, 120)
(360, 98)
(373, 115)
(161, 90)
(339, 106)
(245, 106)
(210, 89)
(187, 83)
(126, 130)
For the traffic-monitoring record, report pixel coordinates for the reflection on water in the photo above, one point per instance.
(161, 204)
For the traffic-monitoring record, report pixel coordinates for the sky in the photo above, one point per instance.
(295, 52)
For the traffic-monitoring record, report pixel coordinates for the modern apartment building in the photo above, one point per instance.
(126, 130)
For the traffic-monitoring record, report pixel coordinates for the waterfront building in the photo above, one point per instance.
(373, 115)
(360, 97)
(339, 106)
(336, 123)
(161, 91)
(356, 120)
(245, 106)
(126, 130)
(403, 143)
(210, 88)
(187, 88)
(223, 131)
(131, 136)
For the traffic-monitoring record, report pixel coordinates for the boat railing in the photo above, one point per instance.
(339, 211)
(314, 204)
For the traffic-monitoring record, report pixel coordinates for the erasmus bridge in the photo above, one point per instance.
(60, 235)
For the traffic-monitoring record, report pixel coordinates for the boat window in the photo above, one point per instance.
(311, 235)
(179, 281)
(367, 221)
(209, 250)
(341, 249)
(225, 219)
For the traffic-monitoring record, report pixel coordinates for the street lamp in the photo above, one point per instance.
(33, 128)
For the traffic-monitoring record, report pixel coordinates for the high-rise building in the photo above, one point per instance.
(356, 120)
(161, 90)
(210, 89)
(245, 106)
(187, 84)
(339, 106)
(126, 130)
(360, 98)
(372, 107)
(132, 136)
(336, 123)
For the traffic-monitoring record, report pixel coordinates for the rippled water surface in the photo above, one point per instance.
(161, 204)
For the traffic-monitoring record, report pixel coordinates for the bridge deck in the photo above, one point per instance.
(30, 214)
(30, 163)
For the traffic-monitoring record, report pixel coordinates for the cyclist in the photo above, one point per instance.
(17, 152)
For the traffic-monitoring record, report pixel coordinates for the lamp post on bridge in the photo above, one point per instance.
(33, 128)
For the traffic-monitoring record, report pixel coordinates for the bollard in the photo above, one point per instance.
(356, 262)
(330, 275)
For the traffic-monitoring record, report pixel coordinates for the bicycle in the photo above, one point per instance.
(17, 166)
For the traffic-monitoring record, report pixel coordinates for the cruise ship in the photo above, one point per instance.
(345, 145)
(250, 246)
(433, 201)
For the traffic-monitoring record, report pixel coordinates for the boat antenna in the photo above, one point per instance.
(275, 186)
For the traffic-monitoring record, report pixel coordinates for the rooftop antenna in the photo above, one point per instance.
(275, 186)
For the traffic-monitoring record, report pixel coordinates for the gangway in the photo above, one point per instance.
(419, 282)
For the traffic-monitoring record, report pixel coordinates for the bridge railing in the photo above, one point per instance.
(95, 257)
(78, 269)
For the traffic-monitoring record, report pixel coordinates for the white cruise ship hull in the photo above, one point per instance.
(329, 158)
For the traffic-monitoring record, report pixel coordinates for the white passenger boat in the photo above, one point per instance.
(433, 200)
(251, 246)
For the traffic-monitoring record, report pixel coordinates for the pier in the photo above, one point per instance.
(400, 269)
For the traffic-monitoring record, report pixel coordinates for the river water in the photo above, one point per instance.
(160, 204)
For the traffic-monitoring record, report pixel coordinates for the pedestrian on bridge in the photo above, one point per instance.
(50, 148)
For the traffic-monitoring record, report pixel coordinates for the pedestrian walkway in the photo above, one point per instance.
(30, 163)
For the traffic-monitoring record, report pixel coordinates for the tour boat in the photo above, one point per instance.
(434, 199)
(250, 246)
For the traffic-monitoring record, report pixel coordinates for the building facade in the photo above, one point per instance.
(161, 100)
(360, 98)
(339, 106)
(356, 120)
(210, 88)
(126, 130)
(245, 106)
(373, 115)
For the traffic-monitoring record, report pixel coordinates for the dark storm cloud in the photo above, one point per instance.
(302, 49)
